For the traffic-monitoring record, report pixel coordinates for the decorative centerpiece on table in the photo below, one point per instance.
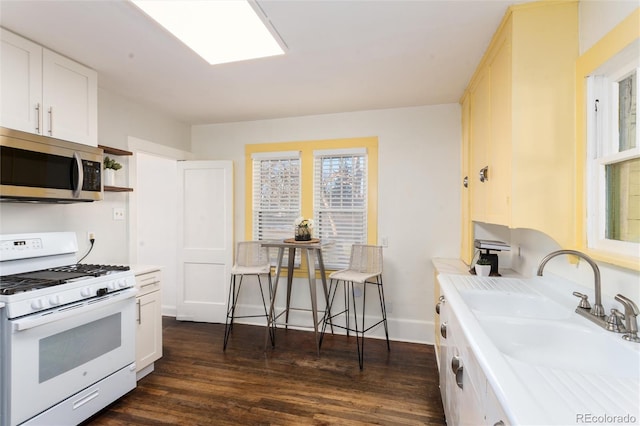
(304, 228)
(110, 166)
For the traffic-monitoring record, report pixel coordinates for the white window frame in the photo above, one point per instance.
(603, 149)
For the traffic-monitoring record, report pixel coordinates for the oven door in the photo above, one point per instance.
(53, 356)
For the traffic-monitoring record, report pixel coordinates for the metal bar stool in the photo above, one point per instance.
(251, 259)
(365, 268)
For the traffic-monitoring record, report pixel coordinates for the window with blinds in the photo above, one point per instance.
(340, 202)
(276, 194)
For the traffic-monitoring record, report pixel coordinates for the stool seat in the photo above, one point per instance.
(251, 270)
(353, 276)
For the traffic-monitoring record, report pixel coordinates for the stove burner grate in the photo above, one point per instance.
(95, 270)
(11, 285)
(28, 281)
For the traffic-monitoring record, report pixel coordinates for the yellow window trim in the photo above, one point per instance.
(608, 46)
(306, 149)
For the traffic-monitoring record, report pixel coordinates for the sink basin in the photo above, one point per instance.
(514, 305)
(564, 346)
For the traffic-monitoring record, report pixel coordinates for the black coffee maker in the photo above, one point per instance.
(485, 247)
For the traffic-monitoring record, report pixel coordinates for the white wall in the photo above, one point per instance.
(598, 17)
(118, 118)
(419, 191)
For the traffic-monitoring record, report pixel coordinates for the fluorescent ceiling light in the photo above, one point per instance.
(220, 31)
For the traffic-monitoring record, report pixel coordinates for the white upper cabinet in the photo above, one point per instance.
(20, 83)
(46, 93)
(70, 97)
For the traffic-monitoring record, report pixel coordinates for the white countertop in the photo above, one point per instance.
(534, 394)
(143, 269)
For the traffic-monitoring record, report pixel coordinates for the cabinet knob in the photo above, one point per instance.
(458, 369)
(465, 182)
(440, 302)
(443, 330)
(484, 174)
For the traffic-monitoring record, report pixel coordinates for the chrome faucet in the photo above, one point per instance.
(596, 313)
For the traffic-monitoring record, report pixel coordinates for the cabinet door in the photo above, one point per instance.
(495, 415)
(499, 184)
(466, 237)
(443, 355)
(69, 96)
(480, 131)
(20, 83)
(149, 332)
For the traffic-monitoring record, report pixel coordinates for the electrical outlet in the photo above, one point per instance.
(118, 213)
(385, 241)
(91, 235)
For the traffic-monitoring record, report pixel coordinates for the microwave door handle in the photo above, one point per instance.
(79, 176)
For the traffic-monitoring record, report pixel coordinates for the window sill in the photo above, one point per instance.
(627, 262)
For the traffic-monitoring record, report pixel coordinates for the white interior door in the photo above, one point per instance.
(205, 239)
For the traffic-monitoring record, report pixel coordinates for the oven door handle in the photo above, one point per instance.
(27, 323)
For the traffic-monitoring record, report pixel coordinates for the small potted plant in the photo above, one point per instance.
(110, 167)
(483, 267)
(304, 228)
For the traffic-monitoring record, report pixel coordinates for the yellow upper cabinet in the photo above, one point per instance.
(522, 120)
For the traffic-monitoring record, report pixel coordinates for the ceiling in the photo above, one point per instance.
(345, 55)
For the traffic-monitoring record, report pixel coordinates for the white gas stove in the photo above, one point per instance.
(67, 331)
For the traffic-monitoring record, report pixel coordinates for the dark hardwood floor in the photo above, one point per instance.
(196, 383)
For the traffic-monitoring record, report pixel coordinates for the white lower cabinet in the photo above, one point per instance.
(467, 397)
(149, 322)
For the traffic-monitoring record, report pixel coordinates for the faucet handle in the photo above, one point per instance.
(630, 314)
(628, 305)
(584, 300)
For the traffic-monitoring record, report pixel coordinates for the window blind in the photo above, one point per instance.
(340, 202)
(276, 195)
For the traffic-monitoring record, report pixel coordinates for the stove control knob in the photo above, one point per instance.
(122, 283)
(111, 286)
(85, 292)
(37, 304)
(55, 300)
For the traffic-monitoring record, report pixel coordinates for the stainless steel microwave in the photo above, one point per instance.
(40, 168)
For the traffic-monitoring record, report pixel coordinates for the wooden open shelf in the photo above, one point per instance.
(115, 151)
(117, 189)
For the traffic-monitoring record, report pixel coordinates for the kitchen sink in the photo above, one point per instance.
(514, 305)
(566, 346)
